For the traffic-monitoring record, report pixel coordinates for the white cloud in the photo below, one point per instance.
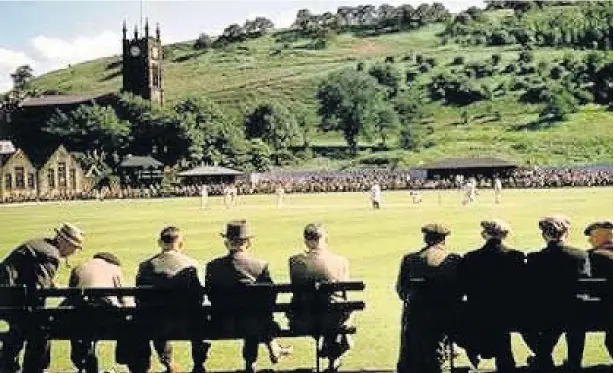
(9, 61)
(82, 48)
(51, 53)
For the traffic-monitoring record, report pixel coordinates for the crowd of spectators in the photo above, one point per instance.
(343, 181)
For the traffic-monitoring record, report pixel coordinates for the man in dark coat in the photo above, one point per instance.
(600, 256)
(230, 273)
(489, 277)
(552, 276)
(34, 264)
(170, 269)
(428, 286)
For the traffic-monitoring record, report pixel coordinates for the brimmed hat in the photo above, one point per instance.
(597, 225)
(313, 231)
(554, 225)
(237, 230)
(495, 227)
(72, 234)
(435, 229)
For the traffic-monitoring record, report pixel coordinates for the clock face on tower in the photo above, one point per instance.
(155, 52)
(135, 51)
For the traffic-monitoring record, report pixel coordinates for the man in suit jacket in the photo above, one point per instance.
(228, 274)
(319, 264)
(552, 275)
(102, 271)
(600, 256)
(173, 269)
(489, 276)
(427, 284)
(34, 264)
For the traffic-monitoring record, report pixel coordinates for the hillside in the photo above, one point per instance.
(241, 75)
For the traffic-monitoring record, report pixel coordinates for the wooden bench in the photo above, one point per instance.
(590, 311)
(198, 321)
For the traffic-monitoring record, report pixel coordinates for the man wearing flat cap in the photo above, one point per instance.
(102, 271)
(552, 276)
(319, 264)
(428, 286)
(489, 276)
(169, 269)
(34, 264)
(230, 273)
(600, 257)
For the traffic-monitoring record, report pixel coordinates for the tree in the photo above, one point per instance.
(22, 77)
(90, 129)
(204, 41)
(274, 124)
(387, 75)
(234, 33)
(560, 105)
(260, 155)
(386, 122)
(349, 101)
(306, 119)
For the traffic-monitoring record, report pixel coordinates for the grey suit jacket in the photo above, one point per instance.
(169, 269)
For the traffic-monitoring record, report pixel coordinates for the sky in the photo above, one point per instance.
(49, 35)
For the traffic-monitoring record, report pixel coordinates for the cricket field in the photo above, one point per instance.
(374, 241)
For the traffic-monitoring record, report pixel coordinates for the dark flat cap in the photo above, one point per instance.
(495, 227)
(554, 225)
(597, 225)
(435, 228)
(108, 257)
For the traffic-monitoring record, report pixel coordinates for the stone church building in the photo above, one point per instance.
(53, 172)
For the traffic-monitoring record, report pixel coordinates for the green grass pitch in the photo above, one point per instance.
(374, 242)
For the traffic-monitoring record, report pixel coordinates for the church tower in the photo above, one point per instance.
(142, 64)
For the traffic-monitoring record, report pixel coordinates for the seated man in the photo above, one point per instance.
(34, 265)
(552, 276)
(319, 264)
(487, 275)
(229, 274)
(428, 286)
(102, 271)
(600, 257)
(170, 269)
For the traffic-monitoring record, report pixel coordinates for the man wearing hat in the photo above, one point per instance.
(600, 257)
(319, 264)
(34, 264)
(552, 276)
(489, 276)
(173, 269)
(428, 286)
(102, 271)
(229, 273)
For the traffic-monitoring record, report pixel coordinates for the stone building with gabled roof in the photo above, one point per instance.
(59, 173)
(17, 177)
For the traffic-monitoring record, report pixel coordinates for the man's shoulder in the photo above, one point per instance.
(216, 262)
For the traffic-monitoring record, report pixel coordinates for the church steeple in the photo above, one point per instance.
(142, 64)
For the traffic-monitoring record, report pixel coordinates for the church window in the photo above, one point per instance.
(73, 178)
(20, 175)
(62, 174)
(31, 181)
(51, 177)
(8, 181)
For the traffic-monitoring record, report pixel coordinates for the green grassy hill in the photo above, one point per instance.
(240, 75)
